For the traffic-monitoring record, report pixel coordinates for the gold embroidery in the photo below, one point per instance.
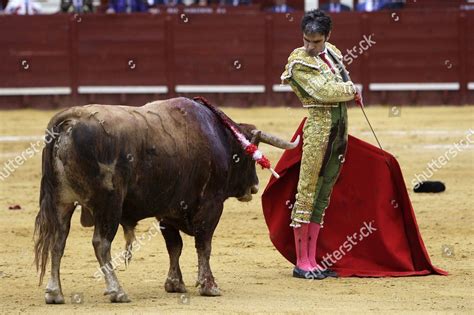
(313, 81)
(315, 140)
(321, 91)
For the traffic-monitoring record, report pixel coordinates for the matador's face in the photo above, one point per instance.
(314, 43)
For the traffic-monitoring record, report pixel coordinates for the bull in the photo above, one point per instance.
(171, 159)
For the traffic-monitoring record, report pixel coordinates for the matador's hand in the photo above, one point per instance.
(358, 98)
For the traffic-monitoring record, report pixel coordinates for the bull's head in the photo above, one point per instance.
(245, 168)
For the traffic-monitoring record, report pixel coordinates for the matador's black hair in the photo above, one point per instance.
(316, 21)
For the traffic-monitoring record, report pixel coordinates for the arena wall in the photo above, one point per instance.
(233, 57)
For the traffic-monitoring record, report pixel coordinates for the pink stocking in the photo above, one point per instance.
(313, 232)
(301, 246)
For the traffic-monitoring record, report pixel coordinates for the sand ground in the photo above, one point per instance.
(252, 275)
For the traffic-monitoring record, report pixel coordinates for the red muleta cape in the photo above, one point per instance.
(369, 198)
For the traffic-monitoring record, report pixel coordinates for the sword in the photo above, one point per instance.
(361, 105)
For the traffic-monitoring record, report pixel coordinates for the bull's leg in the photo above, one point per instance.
(106, 225)
(205, 223)
(129, 233)
(54, 294)
(174, 245)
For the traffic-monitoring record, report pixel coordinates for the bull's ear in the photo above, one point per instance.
(247, 130)
(256, 137)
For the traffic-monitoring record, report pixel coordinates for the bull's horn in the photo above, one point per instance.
(275, 141)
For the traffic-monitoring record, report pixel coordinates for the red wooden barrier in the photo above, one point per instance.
(140, 57)
(34, 51)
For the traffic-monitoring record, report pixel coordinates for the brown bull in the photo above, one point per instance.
(173, 160)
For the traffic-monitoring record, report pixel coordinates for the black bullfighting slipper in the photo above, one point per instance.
(314, 275)
(330, 273)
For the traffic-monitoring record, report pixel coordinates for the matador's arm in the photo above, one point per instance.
(317, 85)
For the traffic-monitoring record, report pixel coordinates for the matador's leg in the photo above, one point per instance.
(331, 170)
(315, 141)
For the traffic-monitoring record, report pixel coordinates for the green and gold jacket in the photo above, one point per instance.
(313, 81)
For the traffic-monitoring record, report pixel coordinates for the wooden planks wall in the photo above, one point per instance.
(228, 49)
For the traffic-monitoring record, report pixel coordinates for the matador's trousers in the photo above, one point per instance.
(324, 149)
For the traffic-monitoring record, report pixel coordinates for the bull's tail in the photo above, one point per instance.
(47, 223)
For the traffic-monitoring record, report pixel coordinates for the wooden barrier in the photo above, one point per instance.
(400, 57)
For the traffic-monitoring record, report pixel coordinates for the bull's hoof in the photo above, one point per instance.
(54, 297)
(174, 285)
(209, 289)
(118, 297)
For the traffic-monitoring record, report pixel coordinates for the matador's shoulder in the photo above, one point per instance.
(334, 49)
(301, 57)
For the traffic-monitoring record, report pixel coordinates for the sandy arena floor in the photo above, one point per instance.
(251, 273)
